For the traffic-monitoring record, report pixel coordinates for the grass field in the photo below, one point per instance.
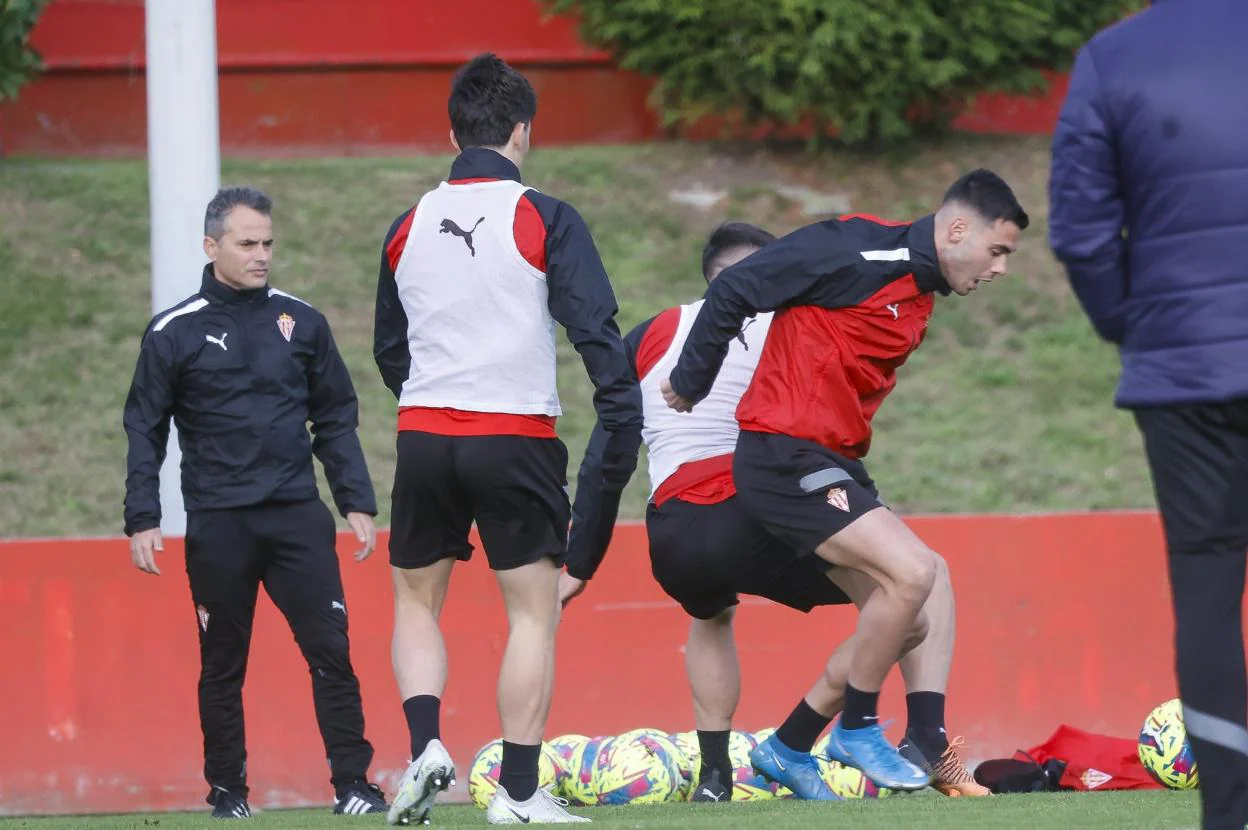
(1050, 811)
(1007, 407)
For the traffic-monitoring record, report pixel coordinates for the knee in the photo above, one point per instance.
(915, 577)
(416, 595)
(325, 646)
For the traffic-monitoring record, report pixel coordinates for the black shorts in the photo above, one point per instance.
(513, 487)
(798, 490)
(703, 555)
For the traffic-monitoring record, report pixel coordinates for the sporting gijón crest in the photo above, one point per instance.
(838, 498)
(286, 325)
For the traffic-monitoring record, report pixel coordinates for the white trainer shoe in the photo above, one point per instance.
(541, 808)
(433, 772)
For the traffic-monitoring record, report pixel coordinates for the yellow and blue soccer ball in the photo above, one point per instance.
(483, 777)
(687, 761)
(579, 786)
(638, 767)
(1165, 750)
(564, 751)
(846, 782)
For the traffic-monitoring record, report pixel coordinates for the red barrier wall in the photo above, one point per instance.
(331, 77)
(1062, 618)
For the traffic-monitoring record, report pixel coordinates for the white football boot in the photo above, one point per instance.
(541, 808)
(433, 772)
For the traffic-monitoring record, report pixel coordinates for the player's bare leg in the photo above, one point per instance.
(925, 665)
(715, 680)
(925, 670)
(785, 756)
(880, 546)
(418, 653)
(525, 684)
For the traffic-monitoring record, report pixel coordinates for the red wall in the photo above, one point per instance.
(1061, 618)
(334, 77)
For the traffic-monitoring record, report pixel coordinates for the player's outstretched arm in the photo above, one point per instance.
(791, 271)
(597, 501)
(582, 301)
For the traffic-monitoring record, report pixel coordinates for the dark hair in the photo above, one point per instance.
(988, 195)
(227, 199)
(732, 235)
(488, 99)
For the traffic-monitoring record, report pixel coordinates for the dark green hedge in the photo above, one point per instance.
(871, 69)
(18, 62)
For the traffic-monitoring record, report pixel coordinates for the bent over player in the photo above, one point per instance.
(853, 297)
(705, 549)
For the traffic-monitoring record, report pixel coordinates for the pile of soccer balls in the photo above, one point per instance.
(1165, 750)
(649, 766)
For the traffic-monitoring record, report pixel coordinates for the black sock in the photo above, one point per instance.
(860, 708)
(518, 775)
(802, 727)
(713, 747)
(926, 713)
(423, 715)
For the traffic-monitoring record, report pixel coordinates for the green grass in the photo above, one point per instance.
(1007, 407)
(1058, 811)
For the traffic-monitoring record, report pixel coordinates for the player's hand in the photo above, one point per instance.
(143, 547)
(569, 588)
(365, 532)
(675, 401)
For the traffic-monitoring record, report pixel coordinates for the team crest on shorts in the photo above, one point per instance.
(286, 325)
(203, 617)
(838, 498)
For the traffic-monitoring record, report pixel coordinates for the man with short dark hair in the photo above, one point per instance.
(705, 549)
(472, 281)
(243, 368)
(1149, 216)
(853, 297)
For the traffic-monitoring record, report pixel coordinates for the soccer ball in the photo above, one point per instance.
(565, 748)
(687, 760)
(578, 787)
(483, 777)
(1165, 750)
(846, 782)
(638, 767)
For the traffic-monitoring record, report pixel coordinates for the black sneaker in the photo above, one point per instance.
(226, 804)
(360, 798)
(710, 789)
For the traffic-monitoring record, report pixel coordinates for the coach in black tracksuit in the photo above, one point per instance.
(243, 368)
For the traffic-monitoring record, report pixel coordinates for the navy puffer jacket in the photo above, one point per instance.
(1149, 198)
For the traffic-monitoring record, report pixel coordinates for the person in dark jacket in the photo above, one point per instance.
(1149, 213)
(242, 368)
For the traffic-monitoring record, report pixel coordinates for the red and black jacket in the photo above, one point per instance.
(853, 297)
